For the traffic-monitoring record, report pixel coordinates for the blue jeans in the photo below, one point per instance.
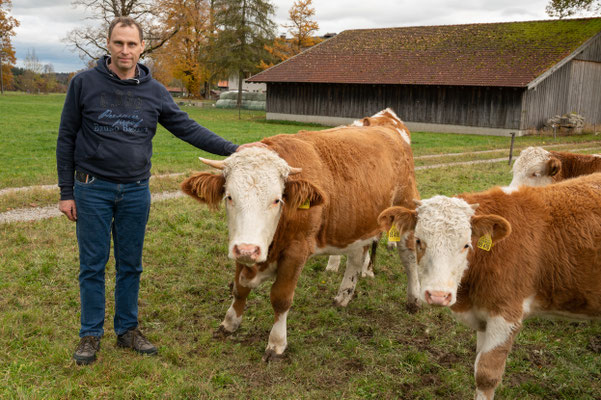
(104, 208)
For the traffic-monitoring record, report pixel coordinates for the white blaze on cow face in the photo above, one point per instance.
(443, 239)
(254, 186)
(530, 168)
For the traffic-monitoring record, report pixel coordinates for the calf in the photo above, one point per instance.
(538, 167)
(305, 194)
(497, 258)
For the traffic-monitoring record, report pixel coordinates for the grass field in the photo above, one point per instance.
(372, 349)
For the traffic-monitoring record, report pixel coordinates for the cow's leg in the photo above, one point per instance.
(354, 262)
(333, 263)
(367, 269)
(233, 316)
(495, 344)
(409, 260)
(282, 294)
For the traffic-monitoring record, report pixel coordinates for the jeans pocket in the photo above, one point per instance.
(89, 182)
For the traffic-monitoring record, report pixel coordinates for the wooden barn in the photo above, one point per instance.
(478, 78)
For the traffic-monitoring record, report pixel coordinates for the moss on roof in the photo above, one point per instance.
(499, 54)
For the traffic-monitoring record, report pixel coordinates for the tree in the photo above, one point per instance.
(32, 62)
(90, 40)
(567, 8)
(245, 27)
(180, 58)
(281, 50)
(7, 52)
(302, 27)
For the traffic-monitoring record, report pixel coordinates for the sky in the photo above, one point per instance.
(45, 23)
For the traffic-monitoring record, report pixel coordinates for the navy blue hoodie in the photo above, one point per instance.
(107, 126)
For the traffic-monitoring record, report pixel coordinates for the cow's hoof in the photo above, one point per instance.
(412, 307)
(272, 356)
(221, 333)
(342, 301)
(367, 274)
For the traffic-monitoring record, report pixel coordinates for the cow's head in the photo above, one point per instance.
(255, 187)
(535, 167)
(443, 229)
(387, 118)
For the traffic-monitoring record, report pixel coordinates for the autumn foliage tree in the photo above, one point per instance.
(188, 57)
(7, 52)
(180, 57)
(302, 29)
(568, 8)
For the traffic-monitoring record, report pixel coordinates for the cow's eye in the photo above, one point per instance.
(467, 246)
(228, 198)
(418, 242)
(277, 201)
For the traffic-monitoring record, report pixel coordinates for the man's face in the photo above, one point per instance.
(125, 48)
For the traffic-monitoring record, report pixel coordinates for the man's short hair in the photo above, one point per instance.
(127, 21)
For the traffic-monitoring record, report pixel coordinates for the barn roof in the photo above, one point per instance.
(500, 54)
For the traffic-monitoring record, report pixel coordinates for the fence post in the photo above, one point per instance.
(511, 147)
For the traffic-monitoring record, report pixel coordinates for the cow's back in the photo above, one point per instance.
(361, 170)
(553, 252)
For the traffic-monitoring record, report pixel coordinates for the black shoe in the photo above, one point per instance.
(85, 353)
(134, 339)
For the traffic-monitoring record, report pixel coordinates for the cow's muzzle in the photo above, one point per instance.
(246, 253)
(438, 297)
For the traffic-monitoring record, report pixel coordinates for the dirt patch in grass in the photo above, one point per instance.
(594, 344)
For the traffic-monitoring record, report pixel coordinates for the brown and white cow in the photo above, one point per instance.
(306, 194)
(538, 167)
(544, 260)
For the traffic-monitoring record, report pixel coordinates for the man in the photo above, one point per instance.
(103, 159)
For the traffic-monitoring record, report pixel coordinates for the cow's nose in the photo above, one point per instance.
(246, 252)
(438, 297)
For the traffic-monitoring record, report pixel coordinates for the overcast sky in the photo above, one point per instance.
(44, 23)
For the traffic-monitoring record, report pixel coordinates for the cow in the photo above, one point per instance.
(496, 258)
(538, 167)
(307, 194)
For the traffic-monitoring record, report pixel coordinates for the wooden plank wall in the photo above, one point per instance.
(547, 99)
(592, 51)
(469, 106)
(585, 91)
(575, 87)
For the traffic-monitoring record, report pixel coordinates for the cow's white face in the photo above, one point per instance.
(443, 239)
(531, 168)
(254, 186)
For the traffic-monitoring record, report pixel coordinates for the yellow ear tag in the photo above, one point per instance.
(485, 242)
(393, 234)
(306, 205)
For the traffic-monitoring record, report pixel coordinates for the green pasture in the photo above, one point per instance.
(373, 349)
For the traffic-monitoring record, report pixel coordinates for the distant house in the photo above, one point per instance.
(478, 78)
(176, 91)
(246, 85)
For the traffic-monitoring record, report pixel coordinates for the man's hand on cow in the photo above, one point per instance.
(68, 208)
(253, 144)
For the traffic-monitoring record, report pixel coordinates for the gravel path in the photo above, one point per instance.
(37, 213)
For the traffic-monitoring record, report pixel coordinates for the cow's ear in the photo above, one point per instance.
(404, 218)
(553, 166)
(298, 191)
(365, 122)
(495, 226)
(205, 187)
